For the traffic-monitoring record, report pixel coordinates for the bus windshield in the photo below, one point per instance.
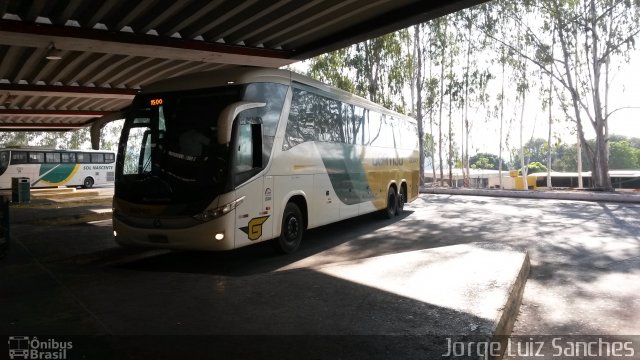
(169, 151)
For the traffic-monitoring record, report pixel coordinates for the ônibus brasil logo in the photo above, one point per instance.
(32, 348)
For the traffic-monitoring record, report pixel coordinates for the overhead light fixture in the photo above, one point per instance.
(53, 53)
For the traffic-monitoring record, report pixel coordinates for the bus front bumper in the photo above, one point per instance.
(214, 235)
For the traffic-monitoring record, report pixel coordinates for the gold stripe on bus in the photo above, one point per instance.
(301, 167)
(383, 173)
(65, 180)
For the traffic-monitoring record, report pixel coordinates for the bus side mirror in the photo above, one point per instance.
(225, 121)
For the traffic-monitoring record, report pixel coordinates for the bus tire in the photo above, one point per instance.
(392, 203)
(292, 230)
(88, 182)
(402, 199)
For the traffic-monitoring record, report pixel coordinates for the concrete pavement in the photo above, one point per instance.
(65, 281)
(584, 278)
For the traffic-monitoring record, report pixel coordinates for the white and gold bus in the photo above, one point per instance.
(52, 167)
(221, 160)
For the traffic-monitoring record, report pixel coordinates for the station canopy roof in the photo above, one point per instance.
(67, 63)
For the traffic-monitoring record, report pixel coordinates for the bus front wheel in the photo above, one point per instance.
(392, 203)
(292, 230)
(87, 183)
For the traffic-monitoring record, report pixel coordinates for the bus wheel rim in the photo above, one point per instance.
(292, 229)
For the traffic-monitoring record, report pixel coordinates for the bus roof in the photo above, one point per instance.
(245, 75)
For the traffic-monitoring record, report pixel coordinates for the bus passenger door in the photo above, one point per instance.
(252, 219)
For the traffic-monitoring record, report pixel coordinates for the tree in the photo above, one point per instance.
(419, 84)
(429, 149)
(565, 159)
(588, 33)
(431, 95)
(454, 88)
(482, 163)
(535, 167)
(76, 139)
(485, 161)
(534, 150)
(623, 156)
(441, 44)
(332, 68)
(110, 135)
(474, 80)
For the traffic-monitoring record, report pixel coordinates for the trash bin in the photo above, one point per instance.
(20, 189)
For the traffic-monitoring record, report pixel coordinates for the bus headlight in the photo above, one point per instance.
(211, 214)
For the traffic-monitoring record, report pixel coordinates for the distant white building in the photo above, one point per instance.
(479, 178)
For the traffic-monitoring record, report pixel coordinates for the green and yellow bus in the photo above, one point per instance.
(221, 160)
(50, 167)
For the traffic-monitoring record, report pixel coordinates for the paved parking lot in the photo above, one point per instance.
(585, 274)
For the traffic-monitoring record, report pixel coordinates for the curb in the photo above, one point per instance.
(533, 194)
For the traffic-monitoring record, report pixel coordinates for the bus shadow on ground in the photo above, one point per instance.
(262, 257)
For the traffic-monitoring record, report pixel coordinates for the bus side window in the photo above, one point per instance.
(244, 156)
(248, 160)
(52, 157)
(301, 123)
(4, 159)
(134, 149)
(68, 158)
(36, 157)
(18, 157)
(358, 125)
(82, 158)
(373, 132)
(348, 136)
(97, 158)
(144, 160)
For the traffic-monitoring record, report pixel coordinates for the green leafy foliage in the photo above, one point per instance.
(623, 156)
(536, 167)
(485, 161)
(75, 139)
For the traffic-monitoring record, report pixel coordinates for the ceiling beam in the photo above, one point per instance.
(400, 18)
(53, 113)
(19, 33)
(68, 91)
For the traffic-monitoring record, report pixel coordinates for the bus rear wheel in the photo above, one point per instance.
(392, 203)
(292, 230)
(88, 182)
(402, 199)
